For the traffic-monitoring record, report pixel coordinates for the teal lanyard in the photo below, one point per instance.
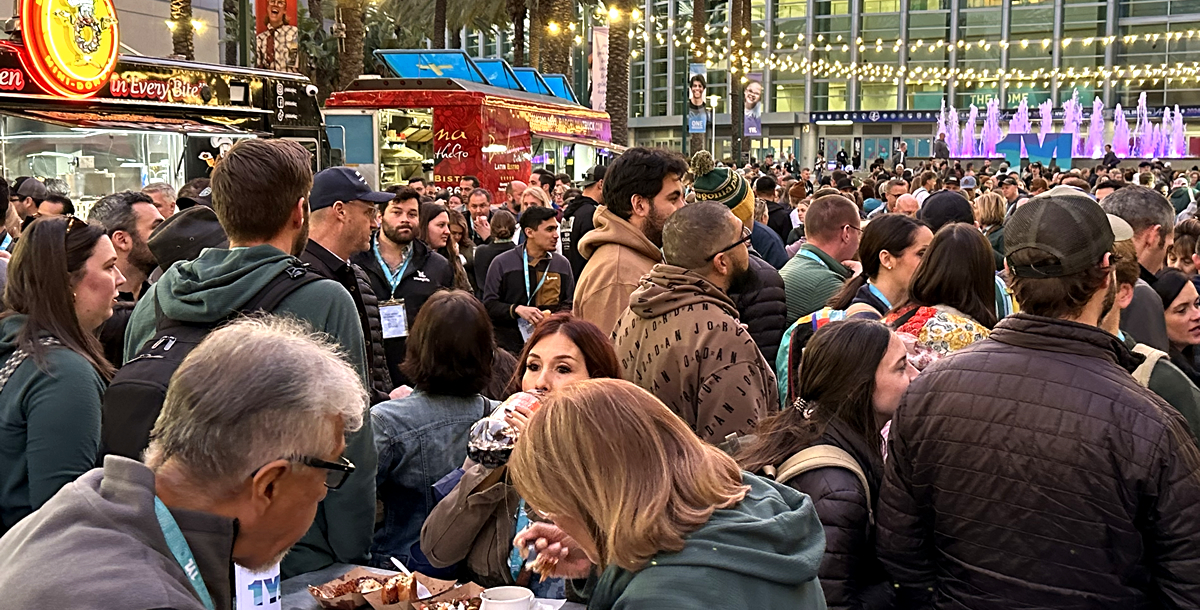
(515, 563)
(813, 255)
(879, 295)
(393, 280)
(181, 551)
(530, 295)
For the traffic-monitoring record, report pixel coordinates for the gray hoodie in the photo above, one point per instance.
(97, 545)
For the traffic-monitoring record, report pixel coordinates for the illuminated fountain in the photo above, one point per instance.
(1073, 120)
(1020, 122)
(991, 129)
(1095, 139)
(1120, 139)
(969, 147)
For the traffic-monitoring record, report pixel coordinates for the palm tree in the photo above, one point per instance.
(232, 19)
(181, 31)
(439, 24)
(517, 10)
(350, 61)
(536, 33)
(616, 100)
(699, 55)
(556, 56)
(739, 27)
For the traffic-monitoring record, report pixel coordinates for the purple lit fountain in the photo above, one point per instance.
(953, 136)
(1073, 119)
(1120, 140)
(1143, 132)
(1046, 113)
(1163, 133)
(1020, 122)
(991, 129)
(1095, 139)
(969, 147)
(1179, 147)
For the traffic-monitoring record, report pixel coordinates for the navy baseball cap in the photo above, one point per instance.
(342, 184)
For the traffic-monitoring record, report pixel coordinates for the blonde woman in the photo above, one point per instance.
(989, 215)
(535, 197)
(626, 486)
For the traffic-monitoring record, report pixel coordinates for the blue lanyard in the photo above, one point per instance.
(393, 280)
(7, 240)
(813, 256)
(879, 295)
(182, 552)
(525, 274)
(515, 563)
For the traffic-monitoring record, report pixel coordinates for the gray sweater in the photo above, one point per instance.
(97, 544)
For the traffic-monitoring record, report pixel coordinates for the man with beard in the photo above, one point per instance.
(514, 191)
(1032, 467)
(642, 188)
(680, 338)
(260, 196)
(128, 217)
(404, 273)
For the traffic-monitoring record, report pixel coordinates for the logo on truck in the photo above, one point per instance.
(71, 45)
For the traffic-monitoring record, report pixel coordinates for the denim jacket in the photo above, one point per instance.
(420, 439)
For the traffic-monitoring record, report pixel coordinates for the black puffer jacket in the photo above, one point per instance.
(1031, 470)
(762, 307)
(355, 281)
(851, 574)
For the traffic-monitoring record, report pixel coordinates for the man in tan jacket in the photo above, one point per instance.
(680, 338)
(642, 188)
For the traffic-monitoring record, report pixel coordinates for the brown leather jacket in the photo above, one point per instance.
(476, 525)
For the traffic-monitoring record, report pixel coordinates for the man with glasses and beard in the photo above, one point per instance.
(680, 338)
(404, 273)
(128, 217)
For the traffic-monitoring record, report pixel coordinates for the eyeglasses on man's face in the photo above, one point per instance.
(745, 238)
(337, 472)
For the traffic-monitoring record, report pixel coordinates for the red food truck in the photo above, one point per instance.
(444, 116)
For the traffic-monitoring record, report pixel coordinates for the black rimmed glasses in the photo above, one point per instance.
(337, 472)
(745, 238)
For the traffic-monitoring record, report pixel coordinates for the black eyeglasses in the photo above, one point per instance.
(859, 229)
(745, 238)
(338, 471)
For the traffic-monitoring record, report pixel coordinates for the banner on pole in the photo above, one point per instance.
(697, 116)
(599, 67)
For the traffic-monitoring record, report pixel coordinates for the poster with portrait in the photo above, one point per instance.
(277, 42)
(755, 100)
(697, 116)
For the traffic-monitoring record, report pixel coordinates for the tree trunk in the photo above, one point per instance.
(517, 10)
(698, 55)
(316, 10)
(232, 23)
(616, 101)
(536, 34)
(439, 24)
(557, 46)
(181, 34)
(737, 76)
(350, 64)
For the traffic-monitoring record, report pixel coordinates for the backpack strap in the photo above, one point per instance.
(1146, 368)
(19, 356)
(822, 456)
(280, 286)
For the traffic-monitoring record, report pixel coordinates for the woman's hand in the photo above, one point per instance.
(563, 556)
(518, 419)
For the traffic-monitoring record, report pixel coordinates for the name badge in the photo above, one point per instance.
(394, 318)
(257, 590)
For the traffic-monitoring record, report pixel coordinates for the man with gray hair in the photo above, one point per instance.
(1153, 220)
(163, 196)
(129, 217)
(241, 457)
(891, 192)
(680, 338)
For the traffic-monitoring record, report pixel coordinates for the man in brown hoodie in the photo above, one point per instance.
(642, 188)
(680, 338)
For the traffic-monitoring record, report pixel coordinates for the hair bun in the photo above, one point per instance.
(702, 163)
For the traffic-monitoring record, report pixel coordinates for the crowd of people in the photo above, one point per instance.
(761, 387)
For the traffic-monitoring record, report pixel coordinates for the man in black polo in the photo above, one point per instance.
(343, 217)
(404, 273)
(577, 218)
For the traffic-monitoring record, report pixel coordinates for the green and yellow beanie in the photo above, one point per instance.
(722, 185)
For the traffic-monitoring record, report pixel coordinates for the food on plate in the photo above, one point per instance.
(400, 588)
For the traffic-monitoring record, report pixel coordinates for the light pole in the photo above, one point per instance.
(713, 101)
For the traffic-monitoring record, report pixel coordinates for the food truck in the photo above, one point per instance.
(444, 115)
(73, 110)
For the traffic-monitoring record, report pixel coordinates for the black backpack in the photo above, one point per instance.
(135, 396)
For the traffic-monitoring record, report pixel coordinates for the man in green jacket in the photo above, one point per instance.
(259, 193)
(832, 230)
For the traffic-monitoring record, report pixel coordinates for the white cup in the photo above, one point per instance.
(506, 598)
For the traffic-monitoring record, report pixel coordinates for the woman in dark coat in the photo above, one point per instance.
(762, 307)
(852, 376)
